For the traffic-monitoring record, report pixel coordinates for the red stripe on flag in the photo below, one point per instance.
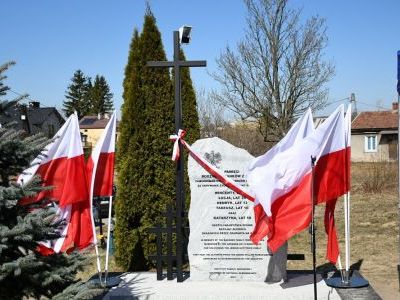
(83, 234)
(330, 176)
(43, 250)
(79, 234)
(68, 179)
(332, 246)
(291, 213)
(261, 224)
(348, 175)
(104, 175)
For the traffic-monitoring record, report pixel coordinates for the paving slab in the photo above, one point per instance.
(144, 285)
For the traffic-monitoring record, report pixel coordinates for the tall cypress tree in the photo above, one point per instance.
(189, 105)
(159, 169)
(146, 173)
(24, 273)
(129, 250)
(190, 117)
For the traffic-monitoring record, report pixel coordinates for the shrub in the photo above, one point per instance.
(379, 176)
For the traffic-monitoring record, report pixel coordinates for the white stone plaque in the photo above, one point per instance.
(221, 220)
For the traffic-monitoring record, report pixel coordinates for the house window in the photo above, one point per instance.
(371, 143)
(84, 138)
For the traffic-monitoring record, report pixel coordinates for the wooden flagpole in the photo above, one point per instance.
(108, 238)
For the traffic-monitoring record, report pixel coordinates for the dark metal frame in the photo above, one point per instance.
(180, 191)
(169, 258)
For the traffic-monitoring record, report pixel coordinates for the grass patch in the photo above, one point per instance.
(91, 269)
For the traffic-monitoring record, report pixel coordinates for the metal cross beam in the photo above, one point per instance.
(179, 63)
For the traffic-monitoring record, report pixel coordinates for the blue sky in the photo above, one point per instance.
(49, 40)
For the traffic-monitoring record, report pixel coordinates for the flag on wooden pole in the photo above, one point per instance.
(62, 166)
(100, 165)
(100, 170)
(332, 247)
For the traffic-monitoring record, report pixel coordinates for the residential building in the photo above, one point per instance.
(374, 135)
(33, 118)
(91, 128)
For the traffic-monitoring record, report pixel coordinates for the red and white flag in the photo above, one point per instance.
(101, 162)
(284, 187)
(77, 233)
(62, 166)
(303, 127)
(347, 137)
(332, 247)
(100, 169)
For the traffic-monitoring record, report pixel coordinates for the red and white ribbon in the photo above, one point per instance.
(217, 174)
(176, 137)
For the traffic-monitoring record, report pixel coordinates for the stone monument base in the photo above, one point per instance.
(145, 286)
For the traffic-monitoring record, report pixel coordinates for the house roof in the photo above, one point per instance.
(37, 116)
(93, 122)
(375, 120)
(34, 116)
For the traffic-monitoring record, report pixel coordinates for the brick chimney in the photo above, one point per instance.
(395, 106)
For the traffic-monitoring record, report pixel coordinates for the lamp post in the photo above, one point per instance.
(181, 36)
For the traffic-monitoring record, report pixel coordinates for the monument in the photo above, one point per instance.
(221, 220)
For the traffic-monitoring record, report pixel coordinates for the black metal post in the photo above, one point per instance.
(313, 246)
(180, 193)
(169, 242)
(159, 255)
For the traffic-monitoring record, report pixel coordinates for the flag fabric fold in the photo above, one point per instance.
(303, 127)
(62, 166)
(332, 248)
(100, 165)
(332, 245)
(283, 186)
(100, 170)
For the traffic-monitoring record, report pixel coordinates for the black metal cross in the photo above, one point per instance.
(180, 193)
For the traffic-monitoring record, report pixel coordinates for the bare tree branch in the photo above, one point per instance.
(277, 71)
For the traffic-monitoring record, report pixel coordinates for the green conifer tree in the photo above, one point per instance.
(146, 172)
(100, 97)
(23, 272)
(190, 118)
(129, 251)
(78, 95)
